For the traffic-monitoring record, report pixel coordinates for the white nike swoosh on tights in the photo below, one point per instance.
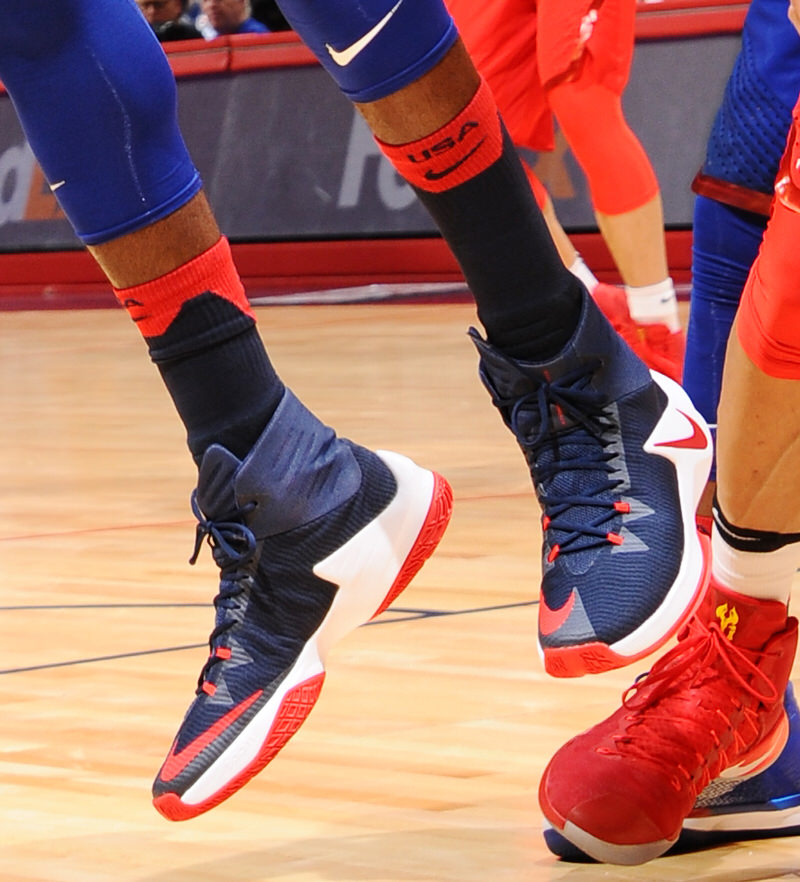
(343, 57)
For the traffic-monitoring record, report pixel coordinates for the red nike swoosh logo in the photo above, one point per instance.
(550, 620)
(696, 441)
(175, 763)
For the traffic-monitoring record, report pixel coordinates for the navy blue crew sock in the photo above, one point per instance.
(477, 193)
(202, 335)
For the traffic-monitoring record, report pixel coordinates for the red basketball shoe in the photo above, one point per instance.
(711, 707)
(664, 349)
(658, 347)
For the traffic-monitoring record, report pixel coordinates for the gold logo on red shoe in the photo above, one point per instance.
(728, 619)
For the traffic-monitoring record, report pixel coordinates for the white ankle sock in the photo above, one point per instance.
(651, 304)
(583, 272)
(764, 574)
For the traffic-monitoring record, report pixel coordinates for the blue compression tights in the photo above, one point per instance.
(725, 243)
(97, 101)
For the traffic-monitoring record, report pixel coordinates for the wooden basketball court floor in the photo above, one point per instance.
(420, 762)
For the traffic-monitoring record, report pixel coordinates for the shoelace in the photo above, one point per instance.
(667, 711)
(586, 430)
(232, 546)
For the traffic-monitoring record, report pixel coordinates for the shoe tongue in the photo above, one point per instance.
(595, 346)
(215, 482)
(512, 378)
(748, 622)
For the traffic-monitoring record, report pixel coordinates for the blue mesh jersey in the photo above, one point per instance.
(750, 129)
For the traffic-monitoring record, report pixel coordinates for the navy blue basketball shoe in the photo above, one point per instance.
(618, 456)
(314, 536)
(764, 806)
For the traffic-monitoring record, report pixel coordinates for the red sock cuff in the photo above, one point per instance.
(458, 151)
(154, 305)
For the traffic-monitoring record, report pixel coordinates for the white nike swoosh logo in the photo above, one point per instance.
(56, 186)
(345, 56)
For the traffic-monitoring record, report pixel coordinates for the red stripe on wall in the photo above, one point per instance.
(72, 280)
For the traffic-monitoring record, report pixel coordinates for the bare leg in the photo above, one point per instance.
(427, 104)
(636, 242)
(160, 248)
(758, 446)
(565, 248)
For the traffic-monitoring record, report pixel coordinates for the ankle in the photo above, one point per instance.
(654, 304)
(756, 563)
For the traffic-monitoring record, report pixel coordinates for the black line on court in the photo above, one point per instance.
(100, 658)
(390, 616)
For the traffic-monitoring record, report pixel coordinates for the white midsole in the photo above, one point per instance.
(692, 467)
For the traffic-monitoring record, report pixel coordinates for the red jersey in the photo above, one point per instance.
(525, 47)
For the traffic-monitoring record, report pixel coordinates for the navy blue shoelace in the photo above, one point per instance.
(233, 546)
(582, 443)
